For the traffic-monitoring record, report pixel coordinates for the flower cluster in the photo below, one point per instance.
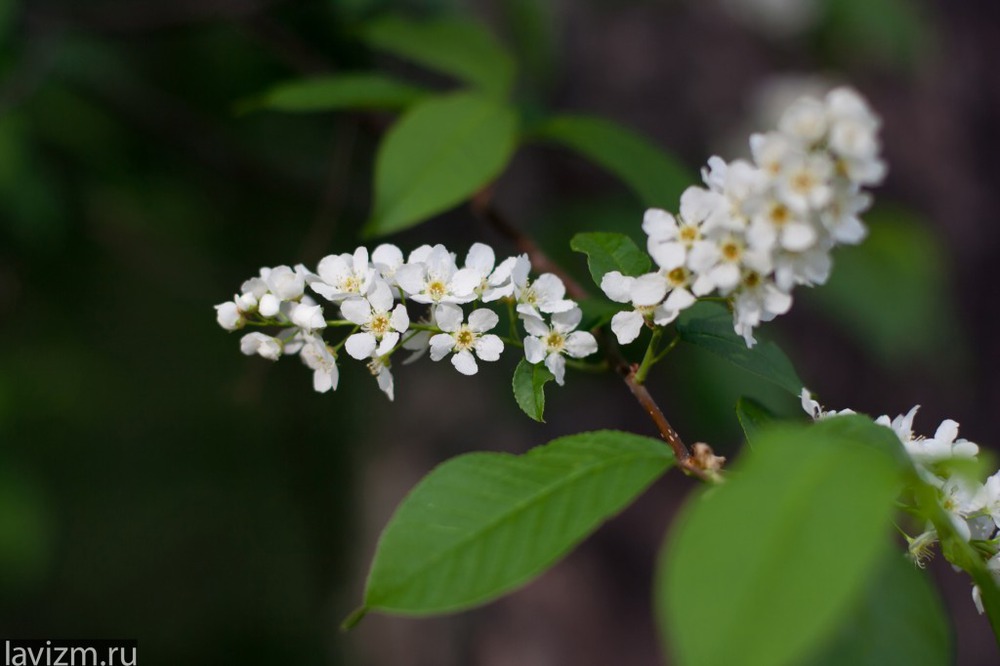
(972, 507)
(373, 294)
(757, 229)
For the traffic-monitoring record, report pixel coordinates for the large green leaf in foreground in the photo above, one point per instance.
(439, 154)
(482, 524)
(762, 570)
(899, 620)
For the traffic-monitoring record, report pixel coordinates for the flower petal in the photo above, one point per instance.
(360, 345)
(380, 296)
(483, 320)
(580, 344)
(464, 282)
(534, 325)
(534, 349)
(626, 326)
(411, 278)
(489, 347)
(649, 289)
(557, 366)
(564, 322)
(448, 317)
(465, 362)
(617, 287)
(356, 310)
(481, 259)
(389, 341)
(400, 319)
(658, 224)
(441, 345)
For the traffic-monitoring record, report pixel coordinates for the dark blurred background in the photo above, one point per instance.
(156, 484)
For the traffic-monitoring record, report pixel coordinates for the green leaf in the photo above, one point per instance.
(438, 154)
(762, 569)
(894, 32)
(656, 177)
(899, 620)
(752, 416)
(608, 252)
(710, 326)
(529, 388)
(459, 48)
(482, 524)
(328, 93)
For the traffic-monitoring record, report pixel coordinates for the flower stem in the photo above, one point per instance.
(425, 327)
(650, 358)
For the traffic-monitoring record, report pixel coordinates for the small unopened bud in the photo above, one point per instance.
(246, 303)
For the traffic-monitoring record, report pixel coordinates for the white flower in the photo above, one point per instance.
(927, 451)
(814, 410)
(741, 185)
(431, 276)
(719, 264)
(902, 425)
(228, 316)
(804, 183)
(805, 119)
(942, 446)
(646, 294)
(988, 499)
(670, 240)
(854, 137)
(757, 300)
(957, 496)
(246, 303)
(461, 340)
(626, 325)
(263, 345)
(500, 283)
(776, 224)
(307, 316)
(545, 294)
(343, 276)
(257, 286)
(379, 367)
(840, 217)
(387, 259)
(285, 283)
(772, 150)
(808, 268)
(317, 356)
(551, 343)
(379, 327)
(493, 283)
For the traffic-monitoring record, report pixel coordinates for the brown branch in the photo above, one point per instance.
(702, 463)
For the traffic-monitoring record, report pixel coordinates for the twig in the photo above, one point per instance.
(703, 463)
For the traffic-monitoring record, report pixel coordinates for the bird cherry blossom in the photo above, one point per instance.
(552, 344)
(465, 341)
